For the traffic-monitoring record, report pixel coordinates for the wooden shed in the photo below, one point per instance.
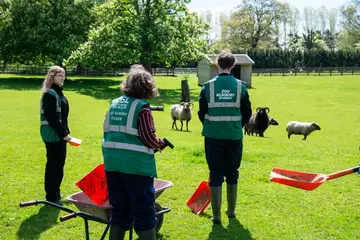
(207, 68)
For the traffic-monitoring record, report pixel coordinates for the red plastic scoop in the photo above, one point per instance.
(305, 180)
(75, 141)
(200, 198)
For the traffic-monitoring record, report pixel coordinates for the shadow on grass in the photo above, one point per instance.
(104, 89)
(38, 223)
(235, 230)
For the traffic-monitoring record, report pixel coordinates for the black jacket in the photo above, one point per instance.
(49, 105)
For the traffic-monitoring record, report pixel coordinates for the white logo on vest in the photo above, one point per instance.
(225, 95)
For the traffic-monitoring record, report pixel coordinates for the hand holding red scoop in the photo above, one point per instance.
(75, 141)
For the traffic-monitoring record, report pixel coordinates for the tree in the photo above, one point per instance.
(323, 17)
(143, 31)
(45, 30)
(207, 17)
(313, 40)
(285, 22)
(255, 21)
(295, 42)
(310, 20)
(351, 14)
(4, 38)
(222, 42)
(294, 20)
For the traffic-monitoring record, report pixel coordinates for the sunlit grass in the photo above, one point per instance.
(265, 210)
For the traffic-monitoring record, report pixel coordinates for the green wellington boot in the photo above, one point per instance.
(215, 193)
(116, 233)
(147, 234)
(231, 194)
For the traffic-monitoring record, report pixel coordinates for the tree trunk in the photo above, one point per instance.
(147, 66)
(4, 65)
(185, 91)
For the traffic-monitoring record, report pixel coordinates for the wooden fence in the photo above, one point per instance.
(306, 71)
(36, 70)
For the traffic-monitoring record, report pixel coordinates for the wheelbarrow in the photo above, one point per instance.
(103, 212)
(91, 211)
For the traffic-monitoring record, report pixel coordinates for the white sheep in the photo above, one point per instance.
(181, 112)
(301, 128)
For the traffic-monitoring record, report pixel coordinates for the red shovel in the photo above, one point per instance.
(305, 180)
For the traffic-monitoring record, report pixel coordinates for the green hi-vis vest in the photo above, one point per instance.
(47, 133)
(122, 148)
(223, 120)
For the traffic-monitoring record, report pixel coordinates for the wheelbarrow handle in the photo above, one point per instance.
(67, 217)
(30, 203)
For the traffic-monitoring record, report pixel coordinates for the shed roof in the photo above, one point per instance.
(240, 59)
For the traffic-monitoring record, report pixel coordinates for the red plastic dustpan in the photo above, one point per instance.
(94, 185)
(200, 198)
(75, 141)
(305, 180)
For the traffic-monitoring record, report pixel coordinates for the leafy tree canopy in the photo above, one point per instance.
(44, 30)
(254, 22)
(145, 31)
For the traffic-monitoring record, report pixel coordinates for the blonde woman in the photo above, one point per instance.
(54, 110)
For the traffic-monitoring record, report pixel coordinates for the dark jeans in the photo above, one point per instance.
(133, 200)
(223, 158)
(54, 171)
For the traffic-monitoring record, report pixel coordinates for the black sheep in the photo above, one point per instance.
(258, 122)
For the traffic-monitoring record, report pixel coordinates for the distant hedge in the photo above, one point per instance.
(278, 58)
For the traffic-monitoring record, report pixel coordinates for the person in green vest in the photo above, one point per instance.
(128, 151)
(224, 108)
(54, 130)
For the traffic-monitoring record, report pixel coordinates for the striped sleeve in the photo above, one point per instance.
(147, 129)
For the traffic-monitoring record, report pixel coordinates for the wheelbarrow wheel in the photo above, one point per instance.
(159, 218)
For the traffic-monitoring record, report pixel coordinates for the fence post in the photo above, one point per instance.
(342, 70)
(270, 72)
(295, 70)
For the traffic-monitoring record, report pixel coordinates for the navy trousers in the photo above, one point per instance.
(223, 158)
(133, 200)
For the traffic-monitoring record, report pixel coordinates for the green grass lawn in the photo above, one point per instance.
(265, 210)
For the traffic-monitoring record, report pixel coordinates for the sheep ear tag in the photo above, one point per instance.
(75, 142)
(305, 180)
